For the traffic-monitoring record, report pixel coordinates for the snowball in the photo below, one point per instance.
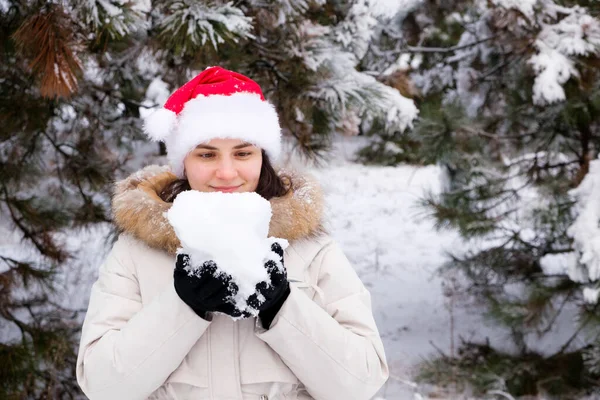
(230, 229)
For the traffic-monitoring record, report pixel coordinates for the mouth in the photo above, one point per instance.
(226, 189)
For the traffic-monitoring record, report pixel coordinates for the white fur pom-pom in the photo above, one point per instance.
(159, 125)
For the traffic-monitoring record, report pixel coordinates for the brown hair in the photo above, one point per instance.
(270, 184)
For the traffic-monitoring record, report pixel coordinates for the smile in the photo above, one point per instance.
(226, 189)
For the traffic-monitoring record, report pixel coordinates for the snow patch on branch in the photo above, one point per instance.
(585, 231)
(206, 23)
(577, 34)
(526, 7)
(553, 70)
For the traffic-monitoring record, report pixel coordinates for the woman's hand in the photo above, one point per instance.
(269, 297)
(206, 290)
(210, 289)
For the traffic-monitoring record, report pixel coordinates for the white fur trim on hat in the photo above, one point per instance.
(160, 124)
(242, 116)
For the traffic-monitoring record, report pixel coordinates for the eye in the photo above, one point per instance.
(206, 155)
(244, 154)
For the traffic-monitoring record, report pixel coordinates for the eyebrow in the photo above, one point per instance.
(239, 146)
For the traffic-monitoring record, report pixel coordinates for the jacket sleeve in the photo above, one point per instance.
(334, 349)
(128, 351)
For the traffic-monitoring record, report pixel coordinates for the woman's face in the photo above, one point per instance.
(224, 165)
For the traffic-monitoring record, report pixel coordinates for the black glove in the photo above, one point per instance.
(204, 292)
(269, 298)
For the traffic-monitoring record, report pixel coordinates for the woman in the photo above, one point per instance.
(152, 330)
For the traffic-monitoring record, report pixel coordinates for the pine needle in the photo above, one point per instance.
(47, 39)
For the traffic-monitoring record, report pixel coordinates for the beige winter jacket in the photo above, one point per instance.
(141, 341)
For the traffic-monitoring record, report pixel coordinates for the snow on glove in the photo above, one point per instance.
(205, 289)
(269, 297)
(227, 228)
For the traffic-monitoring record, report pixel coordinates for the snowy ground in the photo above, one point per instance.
(396, 253)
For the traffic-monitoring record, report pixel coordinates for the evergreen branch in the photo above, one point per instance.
(464, 191)
(515, 236)
(190, 25)
(558, 312)
(549, 166)
(20, 274)
(23, 327)
(541, 249)
(546, 166)
(10, 262)
(47, 247)
(271, 53)
(566, 345)
(558, 251)
(48, 39)
(112, 21)
(443, 50)
(272, 68)
(87, 200)
(510, 194)
(497, 68)
(573, 150)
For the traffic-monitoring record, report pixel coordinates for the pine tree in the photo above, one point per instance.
(66, 128)
(509, 97)
(77, 78)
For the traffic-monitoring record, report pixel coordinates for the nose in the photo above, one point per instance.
(226, 170)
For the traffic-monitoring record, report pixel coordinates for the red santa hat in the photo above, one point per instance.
(217, 103)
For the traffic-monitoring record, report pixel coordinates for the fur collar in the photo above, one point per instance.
(139, 211)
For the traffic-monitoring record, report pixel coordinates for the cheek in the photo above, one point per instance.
(251, 172)
(197, 175)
